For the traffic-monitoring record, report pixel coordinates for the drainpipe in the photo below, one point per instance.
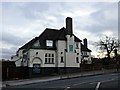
(65, 58)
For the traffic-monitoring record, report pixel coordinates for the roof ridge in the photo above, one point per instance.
(51, 29)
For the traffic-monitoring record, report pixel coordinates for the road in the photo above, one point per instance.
(96, 82)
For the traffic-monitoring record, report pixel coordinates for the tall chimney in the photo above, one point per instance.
(85, 42)
(69, 25)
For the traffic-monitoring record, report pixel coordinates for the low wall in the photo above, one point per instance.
(10, 72)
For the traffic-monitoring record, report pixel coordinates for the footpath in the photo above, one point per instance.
(51, 78)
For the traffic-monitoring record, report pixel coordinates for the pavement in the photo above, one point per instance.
(47, 79)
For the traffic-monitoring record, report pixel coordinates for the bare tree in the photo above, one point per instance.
(108, 45)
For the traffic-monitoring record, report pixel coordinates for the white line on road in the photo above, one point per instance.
(67, 88)
(79, 83)
(76, 84)
(98, 85)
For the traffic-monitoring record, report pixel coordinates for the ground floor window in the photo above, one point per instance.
(62, 61)
(77, 59)
(49, 58)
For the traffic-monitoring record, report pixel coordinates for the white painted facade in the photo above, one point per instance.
(17, 58)
(66, 54)
(40, 58)
(37, 56)
(87, 57)
(61, 46)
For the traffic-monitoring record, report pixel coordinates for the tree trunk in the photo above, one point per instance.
(108, 56)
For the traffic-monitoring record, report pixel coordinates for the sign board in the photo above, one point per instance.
(36, 68)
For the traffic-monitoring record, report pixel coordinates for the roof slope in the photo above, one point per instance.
(28, 44)
(49, 34)
(83, 48)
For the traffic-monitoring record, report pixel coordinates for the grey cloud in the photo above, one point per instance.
(40, 11)
(30, 10)
(7, 53)
(12, 39)
(105, 5)
(102, 22)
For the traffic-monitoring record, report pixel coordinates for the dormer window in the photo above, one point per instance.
(36, 44)
(49, 43)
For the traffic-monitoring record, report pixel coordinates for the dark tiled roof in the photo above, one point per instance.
(28, 44)
(49, 34)
(54, 34)
(83, 48)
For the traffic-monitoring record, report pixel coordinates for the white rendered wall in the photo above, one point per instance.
(78, 50)
(18, 58)
(71, 56)
(18, 63)
(14, 58)
(20, 53)
(61, 46)
(41, 55)
(89, 61)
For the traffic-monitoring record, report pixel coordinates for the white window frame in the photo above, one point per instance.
(49, 58)
(49, 43)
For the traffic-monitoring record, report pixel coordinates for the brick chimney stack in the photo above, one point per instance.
(85, 42)
(69, 26)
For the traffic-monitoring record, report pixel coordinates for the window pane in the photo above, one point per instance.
(77, 59)
(49, 43)
(49, 55)
(71, 48)
(52, 55)
(77, 45)
(36, 52)
(52, 60)
(62, 60)
(48, 60)
(45, 60)
(46, 55)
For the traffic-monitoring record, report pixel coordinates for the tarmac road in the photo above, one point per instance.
(95, 82)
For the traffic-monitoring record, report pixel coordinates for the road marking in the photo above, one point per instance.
(92, 82)
(79, 83)
(98, 85)
(75, 85)
(66, 88)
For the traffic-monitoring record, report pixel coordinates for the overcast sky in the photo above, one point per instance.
(23, 21)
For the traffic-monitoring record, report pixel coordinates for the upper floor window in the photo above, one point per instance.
(36, 44)
(49, 43)
(36, 53)
(71, 48)
(77, 45)
(85, 53)
(61, 52)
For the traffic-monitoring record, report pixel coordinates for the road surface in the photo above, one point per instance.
(97, 82)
